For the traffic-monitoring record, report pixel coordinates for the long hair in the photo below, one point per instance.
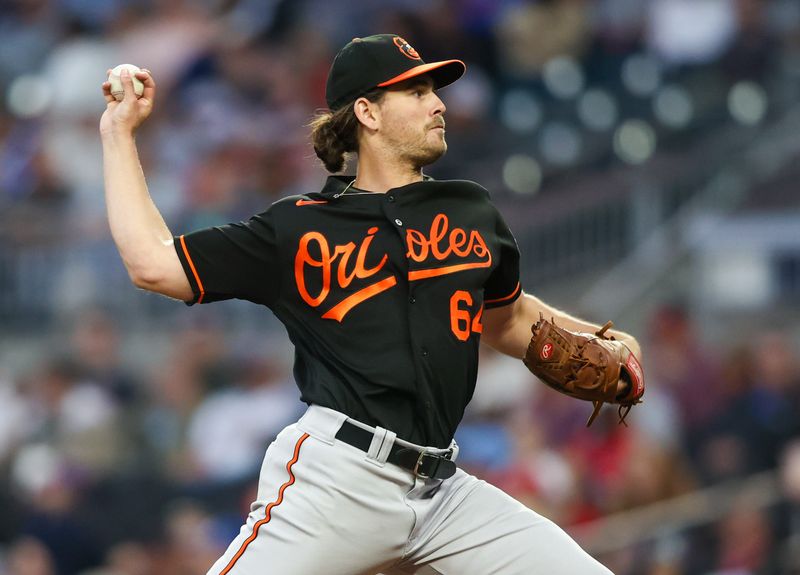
(335, 134)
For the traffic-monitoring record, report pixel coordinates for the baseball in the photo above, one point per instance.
(116, 82)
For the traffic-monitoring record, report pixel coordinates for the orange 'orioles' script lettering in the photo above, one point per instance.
(340, 256)
(439, 245)
(341, 264)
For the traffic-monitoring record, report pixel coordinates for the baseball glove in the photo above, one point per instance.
(586, 366)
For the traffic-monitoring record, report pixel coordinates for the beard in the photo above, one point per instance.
(418, 149)
(425, 155)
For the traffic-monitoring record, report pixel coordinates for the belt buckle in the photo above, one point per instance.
(422, 454)
(416, 470)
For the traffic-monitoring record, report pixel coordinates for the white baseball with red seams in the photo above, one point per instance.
(116, 80)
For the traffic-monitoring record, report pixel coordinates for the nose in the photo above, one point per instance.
(438, 105)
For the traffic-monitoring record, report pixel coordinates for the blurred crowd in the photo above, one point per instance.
(119, 458)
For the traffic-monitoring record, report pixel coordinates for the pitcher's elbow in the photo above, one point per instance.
(143, 278)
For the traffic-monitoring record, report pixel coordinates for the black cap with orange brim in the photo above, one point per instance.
(379, 61)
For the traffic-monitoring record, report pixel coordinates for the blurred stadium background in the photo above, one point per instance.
(645, 153)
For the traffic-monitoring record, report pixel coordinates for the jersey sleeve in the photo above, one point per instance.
(239, 260)
(503, 287)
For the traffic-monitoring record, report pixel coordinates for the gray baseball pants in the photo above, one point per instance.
(327, 508)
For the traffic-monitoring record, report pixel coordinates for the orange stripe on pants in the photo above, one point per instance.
(268, 510)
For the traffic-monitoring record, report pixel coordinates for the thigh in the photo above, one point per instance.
(477, 529)
(320, 509)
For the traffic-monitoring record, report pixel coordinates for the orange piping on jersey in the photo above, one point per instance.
(422, 274)
(338, 311)
(269, 508)
(194, 271)
(512, 294)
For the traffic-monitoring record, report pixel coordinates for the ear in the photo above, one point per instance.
(368, 113)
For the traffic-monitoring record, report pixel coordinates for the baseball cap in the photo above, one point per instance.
(378, 61)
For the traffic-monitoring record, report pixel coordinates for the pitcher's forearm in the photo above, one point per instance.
(136, 225)
(508, 329)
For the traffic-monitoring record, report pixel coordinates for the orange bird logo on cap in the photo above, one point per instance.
(406, 48)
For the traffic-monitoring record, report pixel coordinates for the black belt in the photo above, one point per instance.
(420, 463)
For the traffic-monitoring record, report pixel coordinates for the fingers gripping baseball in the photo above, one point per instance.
(129, 112)
(585, 366)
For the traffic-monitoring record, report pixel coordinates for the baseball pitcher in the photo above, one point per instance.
(386, 281)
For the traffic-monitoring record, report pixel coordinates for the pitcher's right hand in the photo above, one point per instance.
(127, 115)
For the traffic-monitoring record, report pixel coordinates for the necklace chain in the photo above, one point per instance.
(351, 193)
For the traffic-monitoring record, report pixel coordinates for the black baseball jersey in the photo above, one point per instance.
(381, 294)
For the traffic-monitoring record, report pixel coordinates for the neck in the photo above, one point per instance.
(381, 172)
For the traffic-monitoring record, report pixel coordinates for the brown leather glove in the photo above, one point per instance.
(586, 366)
